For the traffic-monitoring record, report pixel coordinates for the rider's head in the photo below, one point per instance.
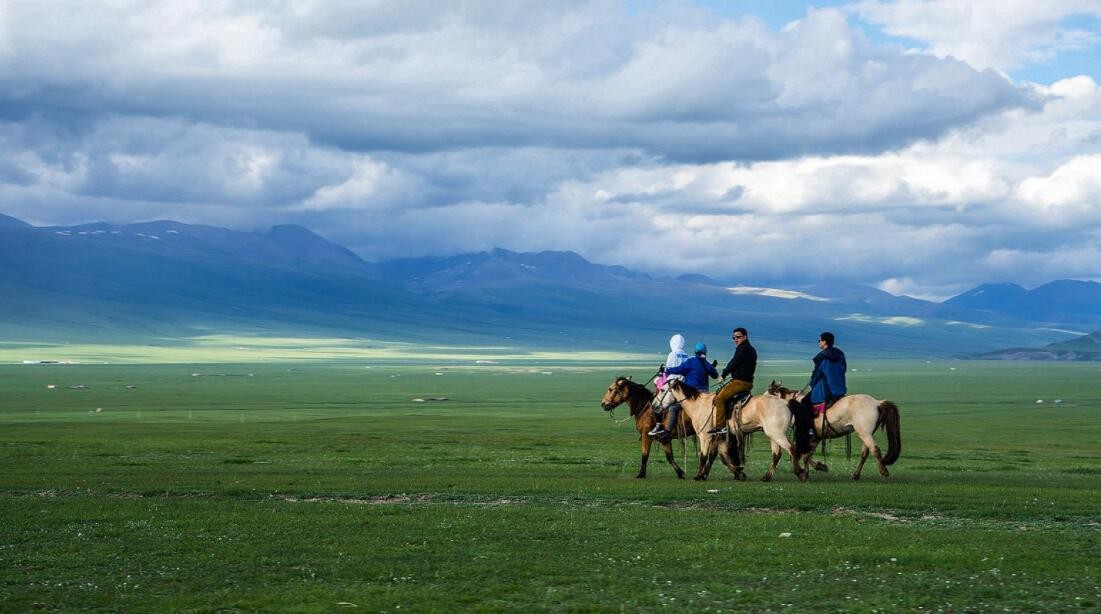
(739, 335)
(701, 349)
(826, 338)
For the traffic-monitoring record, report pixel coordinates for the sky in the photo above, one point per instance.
(919, 146)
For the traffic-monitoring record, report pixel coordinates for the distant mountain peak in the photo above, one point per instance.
(995, 288)
(8, 221)
(1064, 300)
(311, 247)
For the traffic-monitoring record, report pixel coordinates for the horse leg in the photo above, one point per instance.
(701, 472)
(668, 447)
(869, 443)
(707, 456)
(646, 442)
(809, 462)
(786, 445)
(724, 455)
(711, 459)
(860, 463)
(776, 454)
(879, 459)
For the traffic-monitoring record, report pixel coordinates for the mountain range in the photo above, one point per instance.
(102, 281)
(1086, 347)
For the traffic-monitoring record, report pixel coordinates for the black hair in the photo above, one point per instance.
(742, 330)
(828, 338)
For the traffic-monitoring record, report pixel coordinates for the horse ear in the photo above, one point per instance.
(630, 378)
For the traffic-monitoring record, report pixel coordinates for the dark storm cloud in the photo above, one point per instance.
(429, 82)
(662, 139)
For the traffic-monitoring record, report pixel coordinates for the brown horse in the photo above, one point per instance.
(694, 413)
(857, 413)
(639, 399)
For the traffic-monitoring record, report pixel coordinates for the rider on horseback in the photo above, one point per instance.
(676, 358)
(696, 371)
(827, 384)
(741, 368)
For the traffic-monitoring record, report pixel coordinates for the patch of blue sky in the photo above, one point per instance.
(775, 13)
(1085, 60)
(1067, 64)
(779, 13)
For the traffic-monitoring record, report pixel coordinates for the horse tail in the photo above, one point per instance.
(803, 422)
(888, 415)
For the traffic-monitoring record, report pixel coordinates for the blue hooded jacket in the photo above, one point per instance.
(695, 371)
(827, 381)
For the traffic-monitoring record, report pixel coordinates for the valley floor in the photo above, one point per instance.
(320, 486)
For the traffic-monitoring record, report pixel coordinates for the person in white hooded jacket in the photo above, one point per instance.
(676, 358)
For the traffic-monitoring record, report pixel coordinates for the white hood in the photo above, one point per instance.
(676, 343)
(676, 355)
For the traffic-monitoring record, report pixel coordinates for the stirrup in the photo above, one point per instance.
(718, 431)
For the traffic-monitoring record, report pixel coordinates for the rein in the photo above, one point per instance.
(611, 414)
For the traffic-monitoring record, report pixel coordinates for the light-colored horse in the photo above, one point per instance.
(694, 420)
(857, 413)
(765, 413)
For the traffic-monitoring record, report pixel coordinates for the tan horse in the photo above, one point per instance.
(762, 413)
(856, 413)
(693, 420)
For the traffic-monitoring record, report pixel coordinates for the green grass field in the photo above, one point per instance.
(318, 486)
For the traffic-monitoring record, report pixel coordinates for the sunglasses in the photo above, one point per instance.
(738, 337)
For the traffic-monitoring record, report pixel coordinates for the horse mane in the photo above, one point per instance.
(633, 385)
(690, 392)
(634, 389)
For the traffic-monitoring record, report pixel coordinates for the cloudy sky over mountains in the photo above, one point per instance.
(920, 146)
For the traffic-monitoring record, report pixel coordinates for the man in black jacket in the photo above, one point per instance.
(741, 368)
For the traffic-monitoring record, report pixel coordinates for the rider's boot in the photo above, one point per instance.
(659, 424)
(720, 421)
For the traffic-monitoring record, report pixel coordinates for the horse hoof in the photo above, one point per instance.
(856, 476)
(640, 476)
(740, 477)
(803, 477)
(767, 478)
(823, 467)
(680, 476)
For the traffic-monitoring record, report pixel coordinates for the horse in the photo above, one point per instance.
(693, 421)
(761, 413)
(859, 413)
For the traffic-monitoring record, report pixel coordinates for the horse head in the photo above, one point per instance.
(777, 389)
(617, 393)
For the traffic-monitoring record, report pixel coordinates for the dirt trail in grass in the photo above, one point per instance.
(421, 499)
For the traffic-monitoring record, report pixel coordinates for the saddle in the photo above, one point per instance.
(736, 402)
(821, 408)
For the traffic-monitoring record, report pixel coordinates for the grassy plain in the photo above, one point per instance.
(316, 486)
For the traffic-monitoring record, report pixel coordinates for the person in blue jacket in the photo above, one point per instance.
(827, 383)
(696, 371)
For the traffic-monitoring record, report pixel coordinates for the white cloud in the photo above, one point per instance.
(1070, 194)
(1004, 34)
